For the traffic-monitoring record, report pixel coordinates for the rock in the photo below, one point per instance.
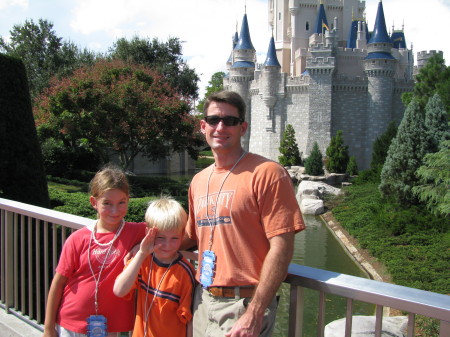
(312, 206)
(320, 189)
(365, 326)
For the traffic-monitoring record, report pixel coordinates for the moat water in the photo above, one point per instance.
(317, 247)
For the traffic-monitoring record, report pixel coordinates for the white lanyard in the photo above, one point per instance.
(217, 199)
(110, 244)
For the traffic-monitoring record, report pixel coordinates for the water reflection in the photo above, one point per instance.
(317, 247)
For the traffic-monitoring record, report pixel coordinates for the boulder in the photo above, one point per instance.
(312, 206)
(319, 189)
(394, 326)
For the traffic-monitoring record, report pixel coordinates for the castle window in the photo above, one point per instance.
(307, 26)
(279, 16)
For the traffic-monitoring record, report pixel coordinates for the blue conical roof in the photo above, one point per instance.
(398, 40)
(322, 22)
(380, 34)
(272, 60)
(245, 41)
(353, 34)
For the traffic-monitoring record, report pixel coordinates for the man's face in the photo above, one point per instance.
(221, 137)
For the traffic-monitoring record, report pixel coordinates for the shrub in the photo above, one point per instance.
(352, 167)
(313, 164)
(290, 155)
(337, 154)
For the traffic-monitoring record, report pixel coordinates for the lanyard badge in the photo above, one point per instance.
(96, 326)
(208, 268)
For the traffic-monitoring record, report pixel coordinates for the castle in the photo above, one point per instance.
(321, 77)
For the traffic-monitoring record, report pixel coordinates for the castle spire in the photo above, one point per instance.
(272, 60)
(380, 34)
(321, 20)
(245, 41)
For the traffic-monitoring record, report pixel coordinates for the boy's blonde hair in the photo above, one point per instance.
(166, 214)
(108, 178)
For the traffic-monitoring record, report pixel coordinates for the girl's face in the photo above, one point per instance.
(111, 206)
(167, 244)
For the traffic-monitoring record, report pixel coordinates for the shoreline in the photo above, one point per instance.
(374, 269)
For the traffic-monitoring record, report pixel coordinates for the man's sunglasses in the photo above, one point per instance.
(227, 120)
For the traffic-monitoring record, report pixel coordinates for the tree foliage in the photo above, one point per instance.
(381, 146)
(43, 53)
(433, 78)
(405, 155)
(314, 164)
(434, 176)
(290, 155)
(337, 154)
(164, 57)
(215, 84)
(352, 167)
(22, 176)
(117, 107)
(436, 122)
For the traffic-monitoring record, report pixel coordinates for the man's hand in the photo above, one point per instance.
(248, 325)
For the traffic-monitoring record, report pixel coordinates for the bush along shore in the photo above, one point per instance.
(412, 243)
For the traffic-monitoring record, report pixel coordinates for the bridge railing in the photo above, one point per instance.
(31, 239)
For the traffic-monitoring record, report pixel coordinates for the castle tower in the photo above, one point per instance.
(266, 135)
(321, 66)
(379, 68)
(242, 72)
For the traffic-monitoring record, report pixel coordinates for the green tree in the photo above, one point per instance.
(381, 146)
(290, 155)
(22, 176)
(434, 176)
(215, 84)
(117, 107)
(436, 122)
(352, 167)
(165, 57)
(405, 155)
(314, 164)
(337, 154)
(43, 52)
(433, 78)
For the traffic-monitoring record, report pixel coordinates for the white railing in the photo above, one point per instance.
(31, 239)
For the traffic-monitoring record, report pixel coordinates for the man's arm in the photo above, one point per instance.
(272, 274)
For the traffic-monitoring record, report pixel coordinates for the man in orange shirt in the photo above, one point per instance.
(243, 215)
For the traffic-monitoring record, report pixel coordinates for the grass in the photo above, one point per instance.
(412, 243)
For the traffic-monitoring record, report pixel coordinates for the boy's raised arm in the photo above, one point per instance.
(125, 281)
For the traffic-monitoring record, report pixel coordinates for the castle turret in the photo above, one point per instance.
(379, 68)
(235, 41)
(320, 66)
(242, 72)
(269, 126)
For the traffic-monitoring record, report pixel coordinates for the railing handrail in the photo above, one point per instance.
(382, 294)
(413, 300)
(45, 214)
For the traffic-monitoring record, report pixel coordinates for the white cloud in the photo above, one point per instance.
(13, 3)
(206, 27)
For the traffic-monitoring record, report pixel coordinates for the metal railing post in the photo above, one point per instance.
(9, 260)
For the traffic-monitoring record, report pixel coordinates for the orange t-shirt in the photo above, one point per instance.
(168, 290)
(257, 202)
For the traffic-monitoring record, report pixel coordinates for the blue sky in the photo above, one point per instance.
(205, 26)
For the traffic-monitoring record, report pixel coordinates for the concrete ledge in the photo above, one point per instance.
(11, 326)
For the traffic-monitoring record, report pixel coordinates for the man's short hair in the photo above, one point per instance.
(230, 97)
